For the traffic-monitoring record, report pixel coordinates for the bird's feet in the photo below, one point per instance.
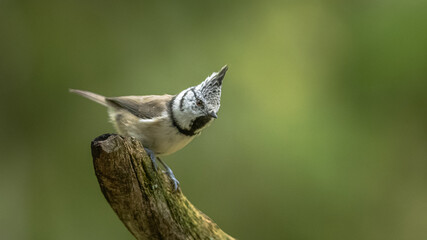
(169, 172)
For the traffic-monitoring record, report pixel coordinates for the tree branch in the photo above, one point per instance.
(142, 198)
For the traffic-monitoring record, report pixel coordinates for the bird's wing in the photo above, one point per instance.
(146, 107)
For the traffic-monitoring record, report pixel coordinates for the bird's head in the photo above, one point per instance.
(195, 107)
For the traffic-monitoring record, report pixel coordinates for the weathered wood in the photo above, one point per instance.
(144, 199)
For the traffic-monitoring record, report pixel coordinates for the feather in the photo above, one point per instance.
(90, 95)
(145, 107)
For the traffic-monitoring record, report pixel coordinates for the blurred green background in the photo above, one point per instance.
(322, 132)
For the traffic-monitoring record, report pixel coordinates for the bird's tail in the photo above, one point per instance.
(90, 95)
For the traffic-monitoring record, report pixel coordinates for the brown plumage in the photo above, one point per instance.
(145, 107)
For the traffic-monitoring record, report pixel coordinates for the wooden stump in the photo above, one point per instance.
(144, 199)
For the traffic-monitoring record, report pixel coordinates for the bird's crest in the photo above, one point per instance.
(210, 89)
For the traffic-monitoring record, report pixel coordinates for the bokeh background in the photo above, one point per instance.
(322, 132)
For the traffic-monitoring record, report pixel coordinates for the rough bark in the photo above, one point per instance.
(143, 198)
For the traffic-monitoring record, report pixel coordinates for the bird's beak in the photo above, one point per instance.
(220, 76)
(213, 114)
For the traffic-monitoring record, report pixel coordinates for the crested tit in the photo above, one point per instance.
(164, 123)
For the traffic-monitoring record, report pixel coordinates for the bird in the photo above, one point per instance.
(165, 123)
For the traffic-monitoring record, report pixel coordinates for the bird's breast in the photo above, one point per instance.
(158, 134)
(162, 137)
(172, 144)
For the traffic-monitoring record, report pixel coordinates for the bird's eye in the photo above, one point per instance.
(199, 103)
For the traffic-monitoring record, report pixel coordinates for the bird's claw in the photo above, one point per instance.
(169, 172)
(175, 181)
